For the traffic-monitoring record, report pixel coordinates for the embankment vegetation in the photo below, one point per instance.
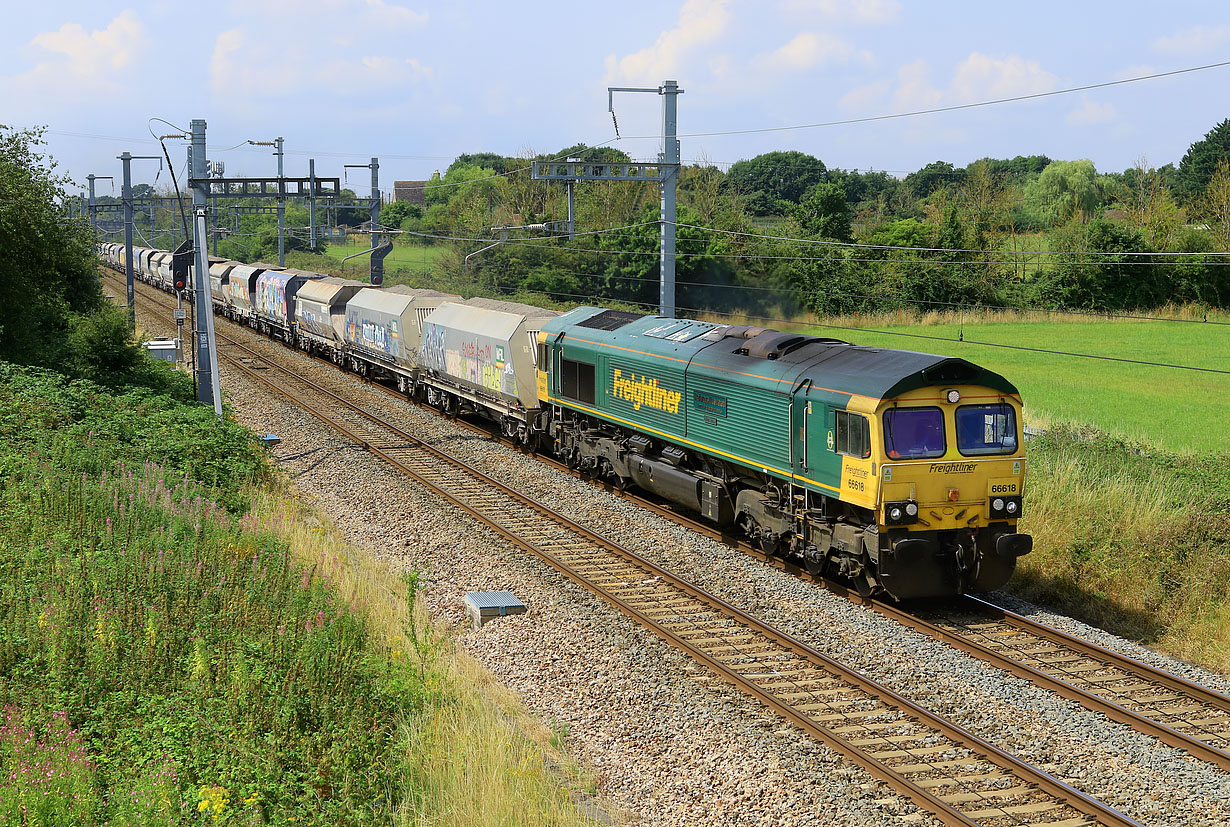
(1132, 538)
(181, 640)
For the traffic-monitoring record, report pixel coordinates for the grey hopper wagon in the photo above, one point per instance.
(383, 330)
(320, 314)
(483, 353)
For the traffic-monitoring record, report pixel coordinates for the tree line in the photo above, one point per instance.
(781, 229)
(784, 232)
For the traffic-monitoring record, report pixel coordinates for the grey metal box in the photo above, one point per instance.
(484, 606)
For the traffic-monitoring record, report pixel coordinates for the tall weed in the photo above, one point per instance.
(1131, 538)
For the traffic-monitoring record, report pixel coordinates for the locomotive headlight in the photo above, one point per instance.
(954, 396)
(902, 512)
(1012, 506)
(997, 504)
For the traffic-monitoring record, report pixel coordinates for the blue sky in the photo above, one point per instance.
(416, 83)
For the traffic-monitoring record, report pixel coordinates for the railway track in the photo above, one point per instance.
(945, 770)
(1176, 711)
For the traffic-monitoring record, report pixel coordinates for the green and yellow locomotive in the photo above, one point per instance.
(900, 471)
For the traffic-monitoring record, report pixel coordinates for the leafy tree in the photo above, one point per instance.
(393, 215)
(48, 266)
(1201, 160)
(934, 175)
(1014, 170)
(985, 206)
(1148, 205)
(778, 176)
(487, 160)
(1215, 206)
(1115, 279)
(462, 177)
(559, 284)
(906, 232)
(824, 212)
(1064, 190)
(865, 186)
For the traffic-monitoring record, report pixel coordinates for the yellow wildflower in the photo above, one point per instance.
(213, 801)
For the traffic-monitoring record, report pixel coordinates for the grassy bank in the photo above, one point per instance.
(180, 643)
(1133, 539)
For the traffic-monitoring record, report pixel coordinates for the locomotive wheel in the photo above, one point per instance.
(864, 582)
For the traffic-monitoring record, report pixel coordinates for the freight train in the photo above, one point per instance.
(900, 472)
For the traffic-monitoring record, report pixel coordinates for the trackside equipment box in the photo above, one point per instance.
(484, 606)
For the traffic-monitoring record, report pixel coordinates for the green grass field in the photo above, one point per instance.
(1176, 410)
(414, 257)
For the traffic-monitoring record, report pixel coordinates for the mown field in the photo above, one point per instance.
(412, 257)
(1175, 410)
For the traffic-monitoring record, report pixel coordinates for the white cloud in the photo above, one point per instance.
(808, 50)
(74, 62)
(1194, 41)
(868, 12)
(1137, 71)
(374, 13)
(700, 22)
(862, 98)
(238, 73)
(387, 15)
(1091, 114)
(914, 89)
(981, 77)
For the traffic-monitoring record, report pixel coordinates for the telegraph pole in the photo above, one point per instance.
(93, 212)
(377, 270)
(277, 142)
(312, 202)
(208, 389)
(281, 208)
(670, 160)
(377, 260)
(126, 193)
(665, 174)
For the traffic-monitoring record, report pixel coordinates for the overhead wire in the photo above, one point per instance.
(938, 109)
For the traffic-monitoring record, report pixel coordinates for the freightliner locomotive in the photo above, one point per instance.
(900, 472)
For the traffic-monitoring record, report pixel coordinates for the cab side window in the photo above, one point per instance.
(853, 435)
(577, 380)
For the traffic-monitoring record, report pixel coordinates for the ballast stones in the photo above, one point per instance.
(484, 606)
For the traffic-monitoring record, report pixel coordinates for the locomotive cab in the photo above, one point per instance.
(951, 482)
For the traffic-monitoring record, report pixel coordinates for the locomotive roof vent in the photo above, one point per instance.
(745, 331)
(772, 344)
